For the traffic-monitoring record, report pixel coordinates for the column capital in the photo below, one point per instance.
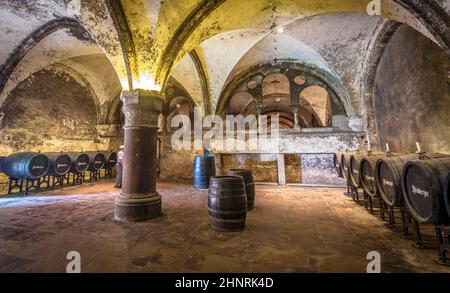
(141, 108)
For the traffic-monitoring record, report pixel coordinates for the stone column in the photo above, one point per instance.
(139, 200)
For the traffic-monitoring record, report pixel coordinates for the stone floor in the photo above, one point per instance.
(292, 229)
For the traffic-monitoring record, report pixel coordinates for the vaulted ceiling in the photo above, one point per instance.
(202, 44)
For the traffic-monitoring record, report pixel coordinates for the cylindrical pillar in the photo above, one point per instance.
(139, 200)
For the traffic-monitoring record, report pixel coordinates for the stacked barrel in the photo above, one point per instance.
(30, 171)
(418, 185)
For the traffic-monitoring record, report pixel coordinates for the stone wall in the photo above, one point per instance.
(412, 94)
(175, 165)
(50, 112)
(264, 167)
(308, 157)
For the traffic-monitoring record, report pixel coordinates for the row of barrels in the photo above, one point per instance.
(32, 166)
(419, 182)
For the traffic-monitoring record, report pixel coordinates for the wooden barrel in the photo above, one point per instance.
(337, 164)
(354, 167)
(204, 169)
(97, 161)
(110, 160)
(80, 162)
(227, 202)
(247, 176)
(2, 162)
(367, 173)
(423, 187)
(345, 166)
(26, 165)
(447, 194)
(60, 164)
(388, 176)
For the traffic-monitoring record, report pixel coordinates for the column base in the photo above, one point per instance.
(137, 209)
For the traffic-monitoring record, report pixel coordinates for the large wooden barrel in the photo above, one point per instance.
(388, 176)
(26, 165)
(249, 185)
(423, 187)
(354, 167)
(80, 162)
(367, 172)
(60, 164)
(345, 166)
(337, 164)
(97, 161)
(227, 202)
(110, 160)
(204, 169)
(2, 161)
(447, 194)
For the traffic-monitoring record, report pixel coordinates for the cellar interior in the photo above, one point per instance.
(355, 96)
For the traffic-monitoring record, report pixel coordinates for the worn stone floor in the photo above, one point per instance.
(292, 229)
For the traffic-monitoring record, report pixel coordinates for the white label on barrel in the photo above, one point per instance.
(388, 183)
(417, 190)
(37, 167)
(98, 162)
(82, 164)
(369, 178)
(62, 165)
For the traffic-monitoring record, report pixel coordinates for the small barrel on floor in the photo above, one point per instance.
(204, 169)
(227, 203)
(247, 176)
